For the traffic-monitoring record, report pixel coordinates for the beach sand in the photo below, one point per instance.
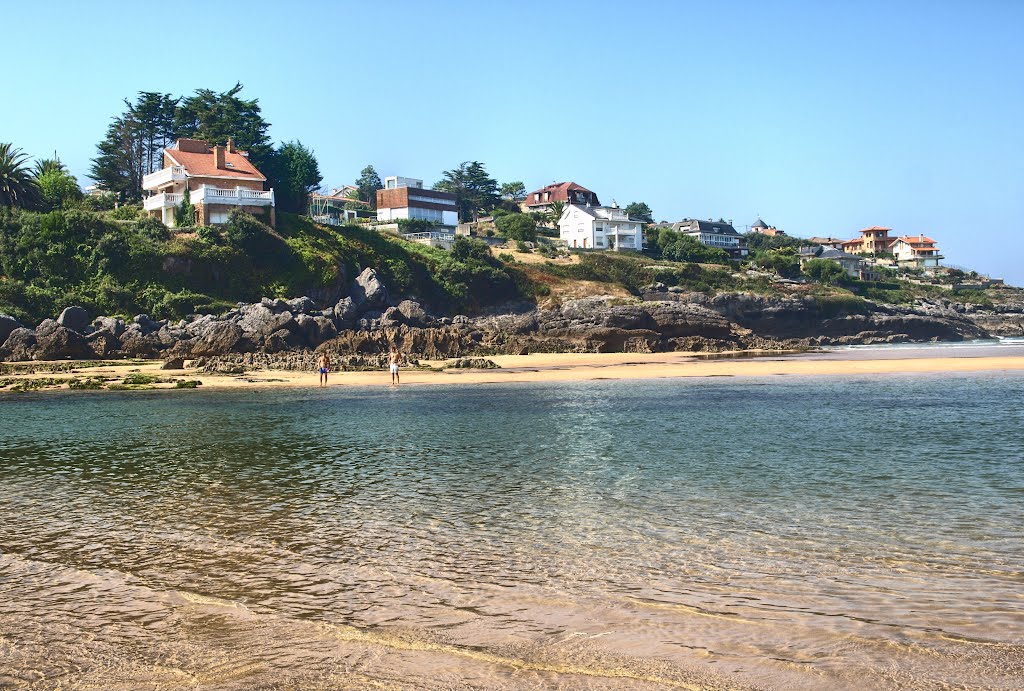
(564, 367)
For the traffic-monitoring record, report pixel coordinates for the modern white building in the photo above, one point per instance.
(406, 198)
(599, 227)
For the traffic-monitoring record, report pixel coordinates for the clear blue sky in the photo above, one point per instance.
(822, 117)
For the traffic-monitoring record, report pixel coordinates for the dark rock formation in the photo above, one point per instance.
(74, 318)
(20, 345)
(61, 343)
(7, 325)
(370, 290)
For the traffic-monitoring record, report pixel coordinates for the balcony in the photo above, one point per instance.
(161, 201)
(165, 176)
(239, 196)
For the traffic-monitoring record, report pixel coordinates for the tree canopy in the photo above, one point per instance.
(513, 191)
(474, 190)
(517, 226)
(213, 117)
(295, 174)
(368, 183)
(640, 211)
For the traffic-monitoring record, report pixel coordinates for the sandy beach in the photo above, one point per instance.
(556, 367)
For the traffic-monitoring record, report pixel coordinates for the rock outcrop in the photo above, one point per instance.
(362, 326)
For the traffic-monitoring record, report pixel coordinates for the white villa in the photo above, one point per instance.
(599, 227)
(915, 250)
(218, 179)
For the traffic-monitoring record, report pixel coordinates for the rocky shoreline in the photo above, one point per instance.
(359, 329)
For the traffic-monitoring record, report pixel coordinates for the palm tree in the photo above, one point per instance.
(17, 187)
(48, 165)
(555, 213)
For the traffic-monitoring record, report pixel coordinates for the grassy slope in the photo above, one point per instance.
(49, 261)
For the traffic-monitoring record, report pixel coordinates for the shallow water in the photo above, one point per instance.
(840, 533)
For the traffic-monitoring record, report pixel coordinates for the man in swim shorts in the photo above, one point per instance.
(325, 367)
(393, 359)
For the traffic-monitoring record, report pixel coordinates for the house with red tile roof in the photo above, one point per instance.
(565, 192)
(218, 179)
(917, 250)
(872, 240)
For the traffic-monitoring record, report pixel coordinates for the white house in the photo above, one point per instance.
(599, 227)
(915, 250)
(218, 179)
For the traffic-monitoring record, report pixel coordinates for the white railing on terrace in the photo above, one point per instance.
(163, 176)
(431, 235)
(238, 193)
(162, 201)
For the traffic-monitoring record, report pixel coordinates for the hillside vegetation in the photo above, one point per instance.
(129, 266)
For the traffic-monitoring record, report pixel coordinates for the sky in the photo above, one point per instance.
(822, 118)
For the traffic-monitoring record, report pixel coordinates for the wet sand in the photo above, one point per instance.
(567, 367)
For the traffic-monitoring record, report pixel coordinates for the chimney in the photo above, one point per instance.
(231, 145)
(218, 156)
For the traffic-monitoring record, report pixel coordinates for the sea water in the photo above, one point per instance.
(840, 532)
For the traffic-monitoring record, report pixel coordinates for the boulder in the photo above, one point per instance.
(136, 342)
(7, 325)
(218, 338)
(281, 340)
(74, 318)
(174, 363)
(413, 314)
(316, 329)
(302, 305)
(62, 343)
(368, 289)
(114, 325)
(146, 324)
(102, 343)
(346, 312)
(19, 345)
(259, 321)
(46, 327)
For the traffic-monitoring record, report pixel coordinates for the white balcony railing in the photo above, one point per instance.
(239, 195)
(161, 201)
(163, 177)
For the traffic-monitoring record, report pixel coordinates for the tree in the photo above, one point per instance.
(57, 187)
(47, 165)
(17, 186)
(294, 173)
(640, 211)
(368, 183)
(214, 117)
(514, 191)
(517, 227)
(474, 189)
(825, 271)
(185, 216)
(132, 146)
(555, 213)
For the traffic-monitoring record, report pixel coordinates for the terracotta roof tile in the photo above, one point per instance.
(202, 165)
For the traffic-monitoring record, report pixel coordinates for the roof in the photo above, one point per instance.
(825, 241)
(876, 228)
(692, 225)
(914, 240)
(759, 224)
(559, 193)
(201, 164)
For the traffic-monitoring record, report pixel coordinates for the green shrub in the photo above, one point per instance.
(506, 257)
(516, 226)
(125, 212)
(187, 384)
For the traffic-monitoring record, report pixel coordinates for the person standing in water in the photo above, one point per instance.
(325, 367)
(393, 359)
